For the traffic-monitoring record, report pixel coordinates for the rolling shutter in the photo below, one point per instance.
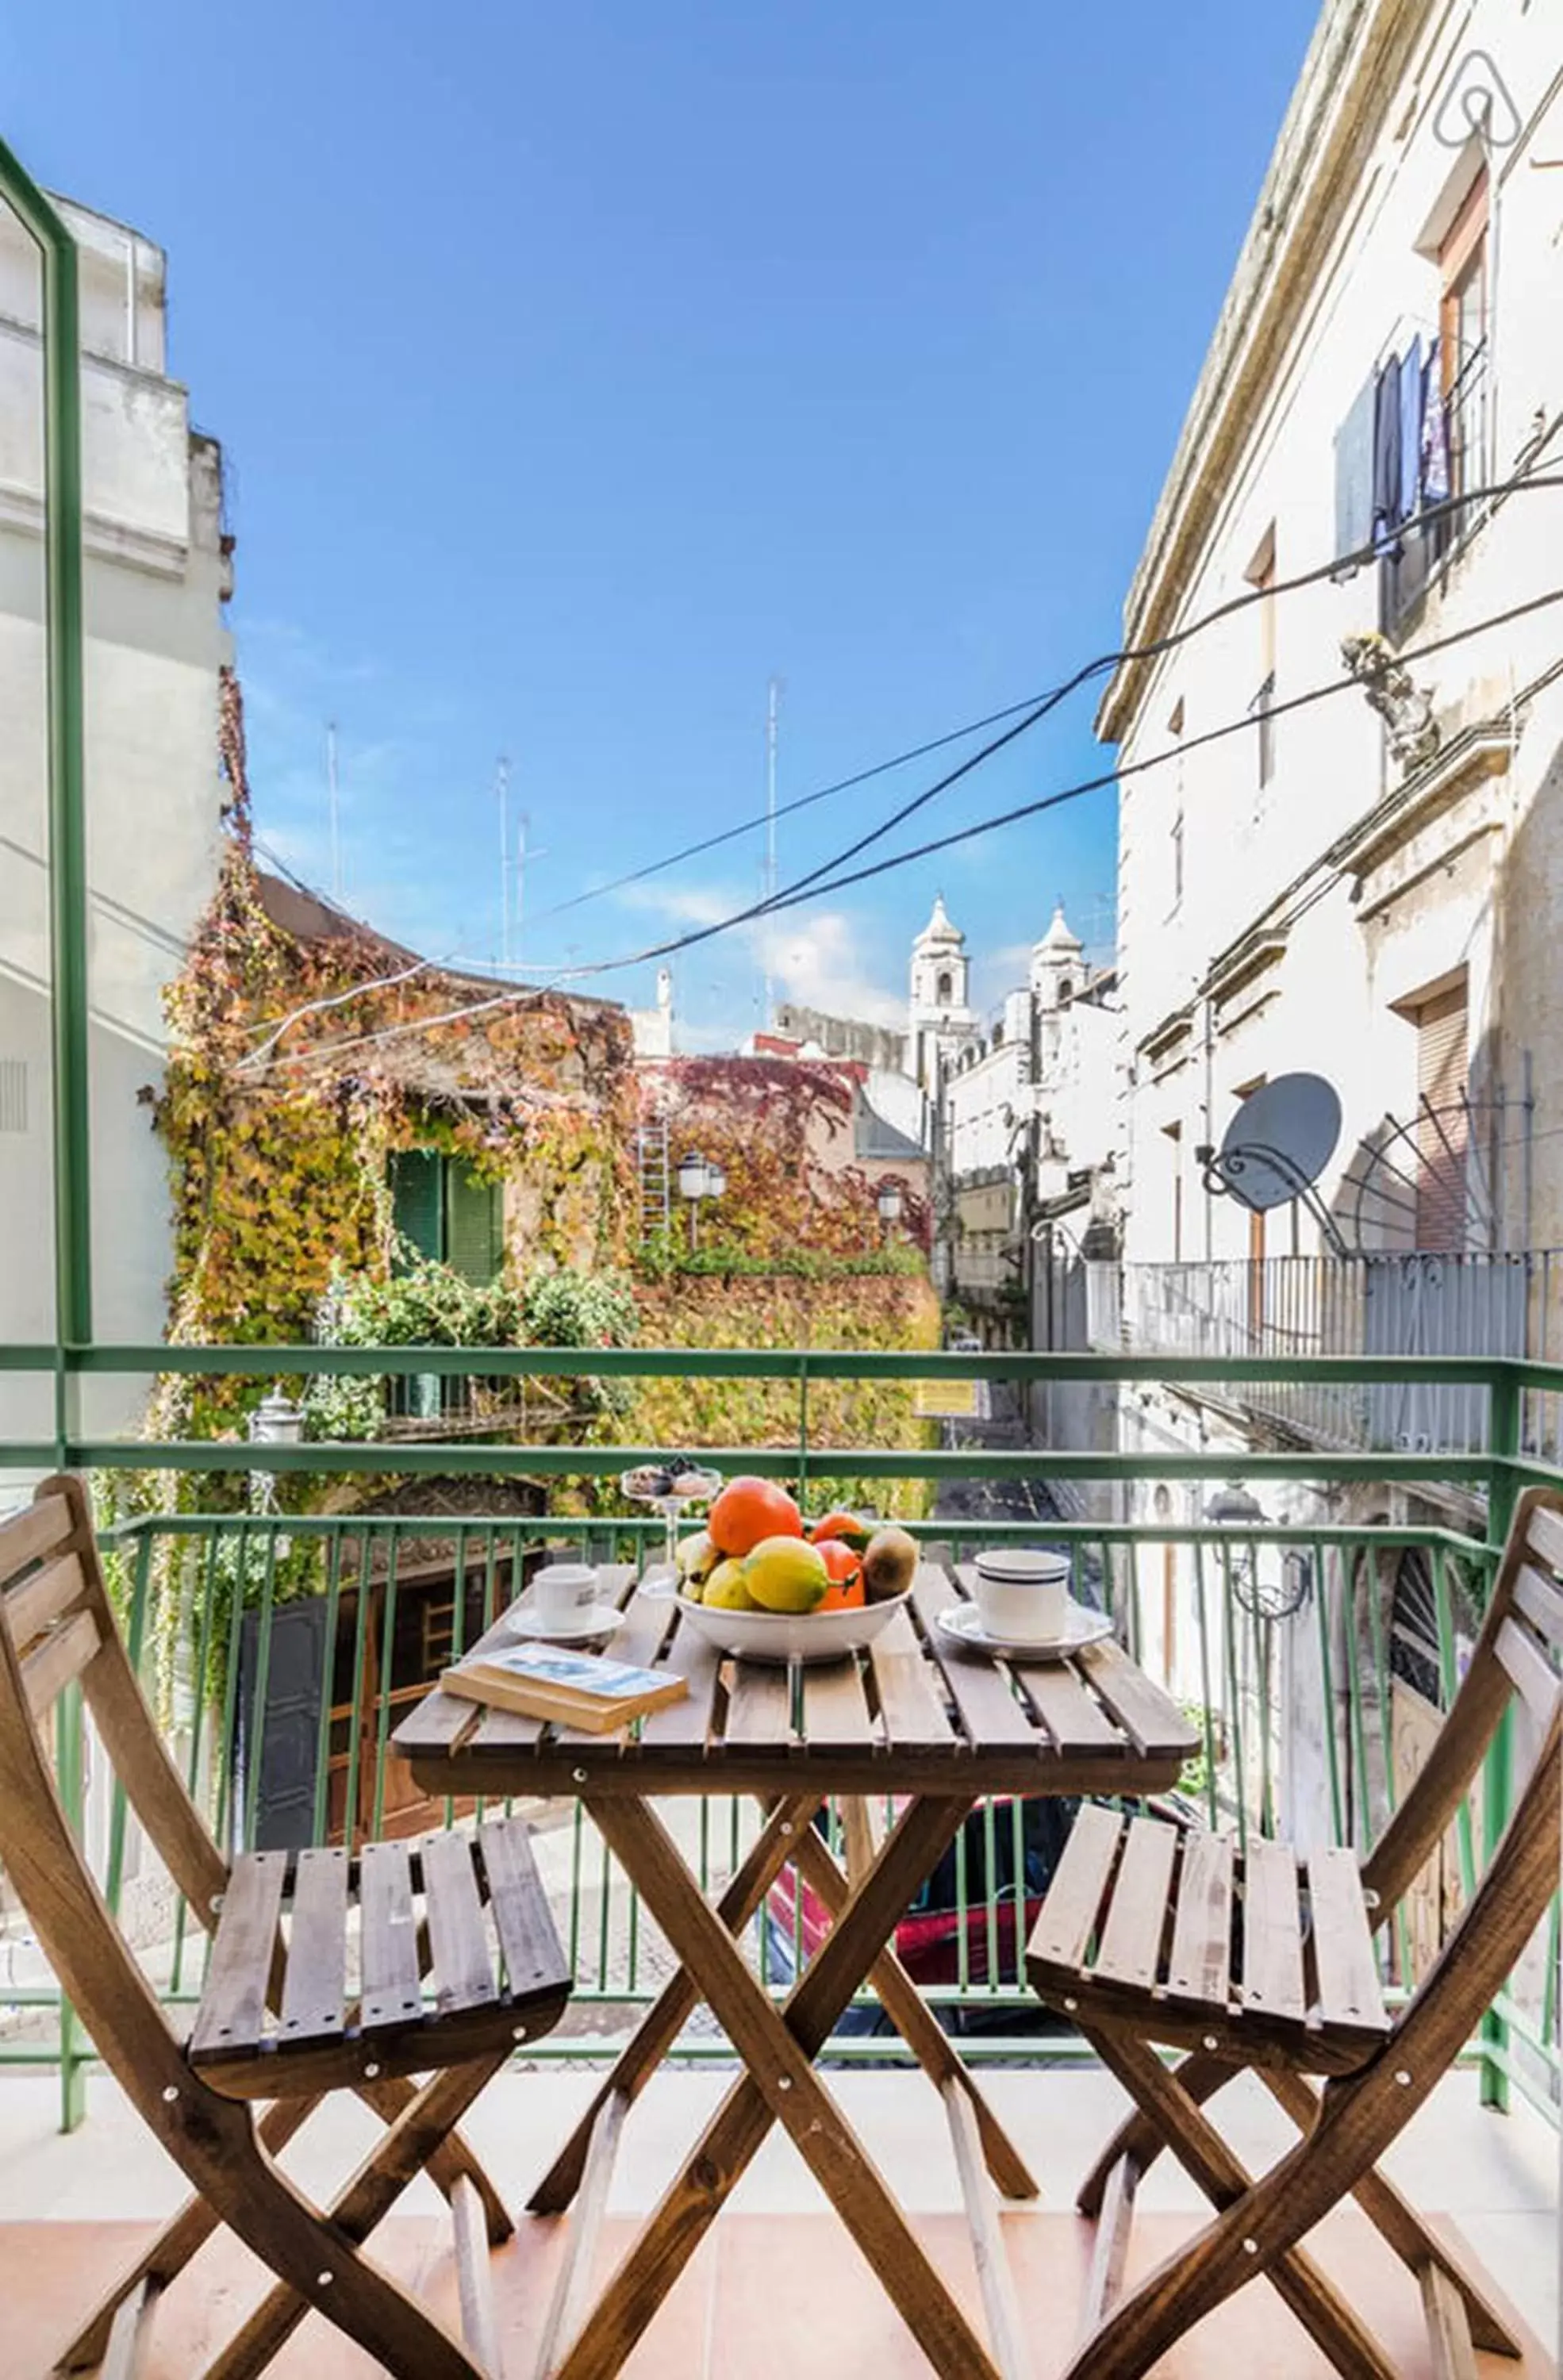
(416, 1202)
(474, 1226)
(1441, 1137)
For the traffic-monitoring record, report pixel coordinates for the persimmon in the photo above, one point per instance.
(845, 1567)
(845, 1525)
(748, 1509)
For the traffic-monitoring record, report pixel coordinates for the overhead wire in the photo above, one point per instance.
(1039, 705)
(1036, 708)
(815, 889)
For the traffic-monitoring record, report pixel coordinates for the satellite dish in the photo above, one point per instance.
(1278, 1142)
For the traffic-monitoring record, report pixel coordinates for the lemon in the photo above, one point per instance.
(728, 1589)
(786, 1574)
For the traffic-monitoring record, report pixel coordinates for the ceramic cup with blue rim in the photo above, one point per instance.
(563, 1593)
(1022, 1593)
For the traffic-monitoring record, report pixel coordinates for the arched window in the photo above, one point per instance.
(944, 990)
(1066, 988)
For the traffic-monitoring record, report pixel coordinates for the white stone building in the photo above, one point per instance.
(157, 575)
(1309, 881)
(1027, 1125)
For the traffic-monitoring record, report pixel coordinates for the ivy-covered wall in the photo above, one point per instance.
(783, 1131)
(849, 1312)
(296, 1069)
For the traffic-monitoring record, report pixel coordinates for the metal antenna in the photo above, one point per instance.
(772, 707)
(524, 852)
(501, 787)
(334, 811)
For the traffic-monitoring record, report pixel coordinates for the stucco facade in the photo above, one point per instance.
(1310, 880)
(157, 576)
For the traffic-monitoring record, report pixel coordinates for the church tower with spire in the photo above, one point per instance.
(941, 1020)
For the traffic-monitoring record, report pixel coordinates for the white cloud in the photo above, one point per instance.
(816, 958)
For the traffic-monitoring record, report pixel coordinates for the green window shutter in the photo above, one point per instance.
(416, 1198)
(474, 1225)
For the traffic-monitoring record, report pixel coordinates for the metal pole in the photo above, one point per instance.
(68, 837)
(334, 803)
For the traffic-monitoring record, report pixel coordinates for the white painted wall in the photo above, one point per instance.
(156, 580)
(1479, 884)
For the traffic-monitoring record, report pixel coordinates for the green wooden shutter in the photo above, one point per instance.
(474, 1225)
(416, 1199)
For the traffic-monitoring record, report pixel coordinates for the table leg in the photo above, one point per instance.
(778, 2050)
(786, 1824)
(901, 2002)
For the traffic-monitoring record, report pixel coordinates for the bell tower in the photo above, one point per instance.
(940, 1017)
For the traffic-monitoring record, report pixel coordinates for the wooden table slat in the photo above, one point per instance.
(389, 1937)
(1150, 1719)
(1069, 1713)
(1130, 1949)
(979, 1688)
(906, 1685)
(684, 1728)
(315, 1988)
(1200, 1965)
(759, 1706)
(835, 1709)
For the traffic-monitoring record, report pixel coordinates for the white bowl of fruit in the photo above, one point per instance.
(763, 1584)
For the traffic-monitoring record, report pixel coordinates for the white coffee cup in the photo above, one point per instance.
(1022, 1593)
(561, 1592)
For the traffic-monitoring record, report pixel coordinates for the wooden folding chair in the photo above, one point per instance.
(1155, 1932)
(274, 2022)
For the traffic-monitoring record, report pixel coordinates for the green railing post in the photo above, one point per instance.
(68, 1770)
(67, 831)
(1504, 1407)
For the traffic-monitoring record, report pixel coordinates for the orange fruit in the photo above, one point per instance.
(845, 1590)
(839, 1524)
(748, 1509)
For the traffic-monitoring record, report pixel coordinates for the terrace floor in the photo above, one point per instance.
(777, 2291)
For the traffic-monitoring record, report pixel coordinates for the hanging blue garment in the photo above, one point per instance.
(1387, 509)
(1411, 430)
(1436, 485)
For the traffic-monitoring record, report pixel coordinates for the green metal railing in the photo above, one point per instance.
(213, 1584)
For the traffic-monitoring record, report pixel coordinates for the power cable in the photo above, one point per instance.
(1039, 705)
(814, 889)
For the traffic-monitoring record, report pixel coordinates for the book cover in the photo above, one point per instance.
(576, 1689)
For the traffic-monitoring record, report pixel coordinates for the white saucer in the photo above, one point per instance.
(962, 1623)
(585, 1628)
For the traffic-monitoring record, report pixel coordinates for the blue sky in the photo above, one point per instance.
(578, 369)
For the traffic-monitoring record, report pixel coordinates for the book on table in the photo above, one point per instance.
(579, 1690)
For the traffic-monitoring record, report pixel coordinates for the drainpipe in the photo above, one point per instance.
(67, 840)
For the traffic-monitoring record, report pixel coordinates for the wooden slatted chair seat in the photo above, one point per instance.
(276, 2018)
(1155, 1933)
(325, 1972)
(1154, 1924)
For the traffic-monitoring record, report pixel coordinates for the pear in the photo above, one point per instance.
(696, 1558)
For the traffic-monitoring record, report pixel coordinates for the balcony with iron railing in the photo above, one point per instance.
(281, 1647)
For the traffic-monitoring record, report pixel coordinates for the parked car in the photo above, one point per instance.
(928, 1938)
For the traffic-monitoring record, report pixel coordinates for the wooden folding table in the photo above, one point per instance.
(912, 1724)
